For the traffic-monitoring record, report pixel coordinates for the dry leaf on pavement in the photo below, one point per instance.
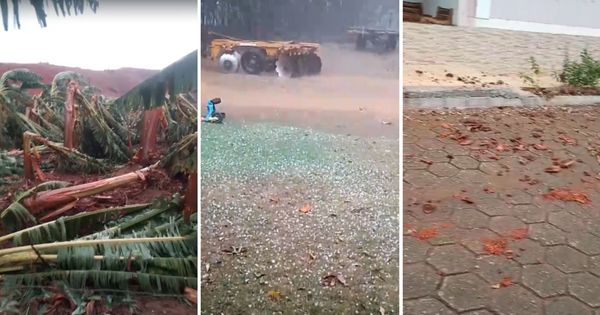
(306, 208)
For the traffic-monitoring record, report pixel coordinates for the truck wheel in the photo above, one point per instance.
(361, 42)
(314, 64)
(253, 62)
(287, 66)
(391, 43)
(228, 63)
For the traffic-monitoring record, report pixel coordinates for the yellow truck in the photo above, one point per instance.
(288, 59)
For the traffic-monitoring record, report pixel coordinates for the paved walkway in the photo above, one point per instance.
(481, 234)
(475, 52)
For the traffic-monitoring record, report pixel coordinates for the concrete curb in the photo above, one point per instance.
(463, 98)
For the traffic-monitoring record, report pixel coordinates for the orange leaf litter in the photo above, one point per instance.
(519, 234)
(426, 233)
(495, 246)
(506, 281)
(567, 195)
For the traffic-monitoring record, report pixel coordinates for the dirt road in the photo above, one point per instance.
(355, 93)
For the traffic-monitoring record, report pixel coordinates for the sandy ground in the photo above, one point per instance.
(355, 93)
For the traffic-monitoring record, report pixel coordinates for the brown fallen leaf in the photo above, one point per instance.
(567, 163)
(306, 208)
(506, 281)
(501, 148)
(446, 126)
(274, 295)
(568, 195)
(331, 280)
(465, 142)
(191, 295)
(552, 169)
(489, 190)
(428, 162)
(519, 234)
(464, 198)
(540, 147)
(429, 208)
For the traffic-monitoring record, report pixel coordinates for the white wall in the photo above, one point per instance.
(578, 13)
(572, 17)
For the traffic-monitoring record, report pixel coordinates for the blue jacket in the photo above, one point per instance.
(211, 109)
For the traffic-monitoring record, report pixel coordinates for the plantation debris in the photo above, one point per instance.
(57, 231)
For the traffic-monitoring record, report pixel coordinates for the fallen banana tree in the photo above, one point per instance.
(149, 244)
(69, 159)
(60, 197)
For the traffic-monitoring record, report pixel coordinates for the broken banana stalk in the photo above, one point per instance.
(66, 197)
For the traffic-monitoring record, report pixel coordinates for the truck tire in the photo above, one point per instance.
(253, 62)
(228, 63)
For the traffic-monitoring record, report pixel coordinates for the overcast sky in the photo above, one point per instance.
(138, 34)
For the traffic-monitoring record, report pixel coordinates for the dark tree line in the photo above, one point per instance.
(315, 20)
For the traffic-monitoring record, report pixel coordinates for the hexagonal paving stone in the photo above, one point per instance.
(436, 156)
(494, 268)
(412, 149)
(426, 306)
(420, 178)
(547, 234)
(443, 169)
(504, 225)
(492, 168)
(566, 259)
(515, 300)
(442, 213)
(415, 250)
(516, 197)
(566, 221)
(479, 312)
(494, 207)
(473, 239)
(530, 213)
(526, 251)
(585, 287)
(566, 305)
(414, 164)
(585, 242)
(430, 144)
(474, 177)
(419, 280)
(545, 280)
(464, 292)
(465, 162)
(470, 219)
(451, 259)
(594, 265)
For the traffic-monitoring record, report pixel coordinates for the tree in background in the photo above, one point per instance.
(296, 19)
(63, 7)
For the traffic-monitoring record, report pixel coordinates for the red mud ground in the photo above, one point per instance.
(355, 93)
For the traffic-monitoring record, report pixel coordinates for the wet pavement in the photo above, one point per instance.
(501, 211)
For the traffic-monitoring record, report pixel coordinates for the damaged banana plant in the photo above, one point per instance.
(147, 244)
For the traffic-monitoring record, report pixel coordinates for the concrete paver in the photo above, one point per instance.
(488, 54)
(495, 242)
